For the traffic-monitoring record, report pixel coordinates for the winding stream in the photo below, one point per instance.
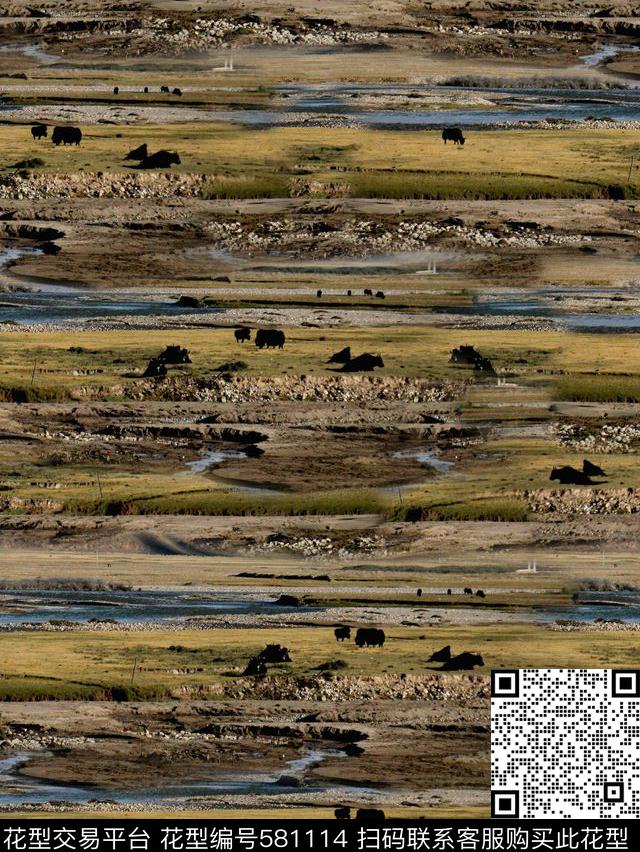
(18, 789)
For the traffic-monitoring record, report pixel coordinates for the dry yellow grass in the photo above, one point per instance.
(409, 351)
(85, 665)
(571, 158)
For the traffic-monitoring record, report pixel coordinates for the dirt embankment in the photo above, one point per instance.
(380, 687)
(352, 389)
(584, 501)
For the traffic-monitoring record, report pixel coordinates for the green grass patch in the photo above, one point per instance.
(222, 502)
(508, 509)
(252, 186)
(598, 389)
(473, 186)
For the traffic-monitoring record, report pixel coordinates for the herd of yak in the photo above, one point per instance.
(67, 135)
(64, 135)
(366, 637)
(272, 338)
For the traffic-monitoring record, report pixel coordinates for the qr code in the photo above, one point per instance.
(565, 743)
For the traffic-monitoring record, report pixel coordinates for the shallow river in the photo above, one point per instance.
(37, 606)
(536, 303)
(17, 789)
(48, 303)
(623, 606)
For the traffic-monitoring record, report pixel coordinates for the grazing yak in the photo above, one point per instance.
(66, 136)
(366, 814)
(255, 668)
(379, 294)
(591, 469)
(368, 292)
(441, 656)
(242, 334)
(146, 90)
(164, 89)
(270, 338)
(39, 131)
(175, 355)
(155, 369)
(463, 662)
(160, 160)
(419, 593)
(449, 592)
(139, 153)
(116, 90)
(342, 813)
(364, 363)
(176, 91)
(341, 357)
(568, 475)
(252, 451)
(468, 356)
(319, 294)
(453, 134)
(370, 637)
(342, 633)
(480, 594)
(274, 654)
(468, 591)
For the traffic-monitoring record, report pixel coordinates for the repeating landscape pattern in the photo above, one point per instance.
(320, 394)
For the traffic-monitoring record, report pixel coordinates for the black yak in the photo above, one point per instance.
(175, 355)
(242, 334)
(274, 654)
(155, 369)
(568, 475)
(139, 153)
(441, 656)
(160, 160)
(270, 338)
(342, 633)
(453, 134)
(591, 469)
(39, 131)
(341, 357)
(255, 668)
(66, 136)
(370, 637)
(463, 662)
(364, 363)
(366, 814)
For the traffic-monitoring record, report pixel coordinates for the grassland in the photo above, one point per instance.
(39, 666)
(370, 163)
(114, 357)
(598, 389)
